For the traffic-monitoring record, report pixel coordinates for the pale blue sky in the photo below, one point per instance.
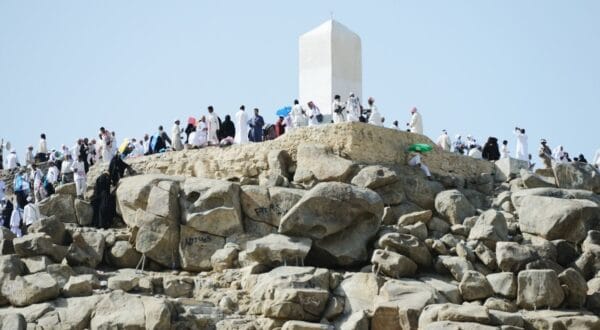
(478, 67)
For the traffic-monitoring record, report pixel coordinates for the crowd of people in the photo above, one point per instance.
(41, 172)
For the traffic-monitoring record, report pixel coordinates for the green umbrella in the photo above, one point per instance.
(420, 147)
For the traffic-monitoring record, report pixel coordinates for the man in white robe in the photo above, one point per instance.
(443, 141)
(521, 151)
(313, 114)
(12, 160)
(374, 117)
(352, 108)
(337, 110)
(415, 161)
(504, 151)
(416, 122)
(176, 136)
(597, 159)
(53, 173)
(241, 126)
(212, 125)
(297, 115)
(559, 154)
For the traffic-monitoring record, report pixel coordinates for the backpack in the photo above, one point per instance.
(319, 118)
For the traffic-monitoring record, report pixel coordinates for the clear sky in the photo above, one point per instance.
(472, 67)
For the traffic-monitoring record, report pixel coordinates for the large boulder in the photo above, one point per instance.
(30, 289)
(532, 180)
(60, 206)
(374, 176)
(517, 196)
(555, 218)
(393, 264)
(38, 244)
(407, 245)
(577, 176)
(316, 163)
(133, 194)
(539, 288)
(475, 286)
(212, 206)
(421, 191)
(123, 255)
(84, 212)
(196, 248)
(268, 205)
(276, 249)
(453, 206)
(512, 257)
(575, 287)
(119, 310)
(490, 228)
(86, 250)
(52, 227)
(158, 239)
(339, 218)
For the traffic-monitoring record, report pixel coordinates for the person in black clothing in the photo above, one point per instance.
(7, 207)
(83, 154)
(117, 167)
(188, 130)
(164, 139)
(227, 128)
(103, 202)
(490, 150)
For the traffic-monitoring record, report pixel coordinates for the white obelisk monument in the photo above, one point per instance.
(329, 63)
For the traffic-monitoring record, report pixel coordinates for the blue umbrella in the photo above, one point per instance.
(283, 111)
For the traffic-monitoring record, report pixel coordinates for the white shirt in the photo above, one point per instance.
(353, 108)
(504, 152)
(241, 127)
(312, 116)
(297, 116)
(416, 123)
(78, 169)
(443, 142)
(522, 153)
(15, 217)
(12, 161)
(52, 175)
(375, 117)
(66, 166)
(337, 117)
(31, 214)
(42, 148)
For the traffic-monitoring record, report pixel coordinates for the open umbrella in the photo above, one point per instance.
(420, 147)
(284, 111)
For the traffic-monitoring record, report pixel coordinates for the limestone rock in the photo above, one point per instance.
(86, 250)
(123, 281)
(374, 176)
(531, 180)
(490, 228)
(256, 203)
(302, 325)
(77, 286)
(276, 249)
(414, 217)
(421, 191)
(84, 212)
(503, 284)
(36, 264)
(470, 314)
(60, 272)
(577, 176)
(156, 236)
(512, 257)
(13, 321)
(123, 255)
(225, 258)
(538, 289)
(453, 206)
(196, 248)
(315, 162)
(517, 197)
(120, 310)
(50, 226)
(30, 289)
(393, 264)
(339, 218)
(576, 288)
(178, 287)
(554, 218)
(38, 244)
(457, 266)
(359, 291)
(212, 206)
(509, 167)
(407, 245)
(60, 206)
(67, 189)
(474, 286)
(282, 200)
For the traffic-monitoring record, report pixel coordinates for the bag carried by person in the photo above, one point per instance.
(319, 118)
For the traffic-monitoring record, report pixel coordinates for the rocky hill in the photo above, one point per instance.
(323, 228)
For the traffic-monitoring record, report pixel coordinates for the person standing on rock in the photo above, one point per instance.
(338, 110)
(504, 151)
(29, 160)
(241, 126)
(212, 123)
(415, 161)
(416, 122)
(521, 151)
(106, 144)
(352, 108)
(12, 161)
(78, 168)
(443, 141)
(117, 168)
(596, 161)
(42, 151)
(176, 135)
(313, 115)
(545, 154)
(256, 127)
(31, 214)
(38, 179)
(103, 202)
(227, 130)
(65, 169)
(490, 149)
(53, 173)
(374, 116)
(297, 115)
(395, 125)
(16, 218)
